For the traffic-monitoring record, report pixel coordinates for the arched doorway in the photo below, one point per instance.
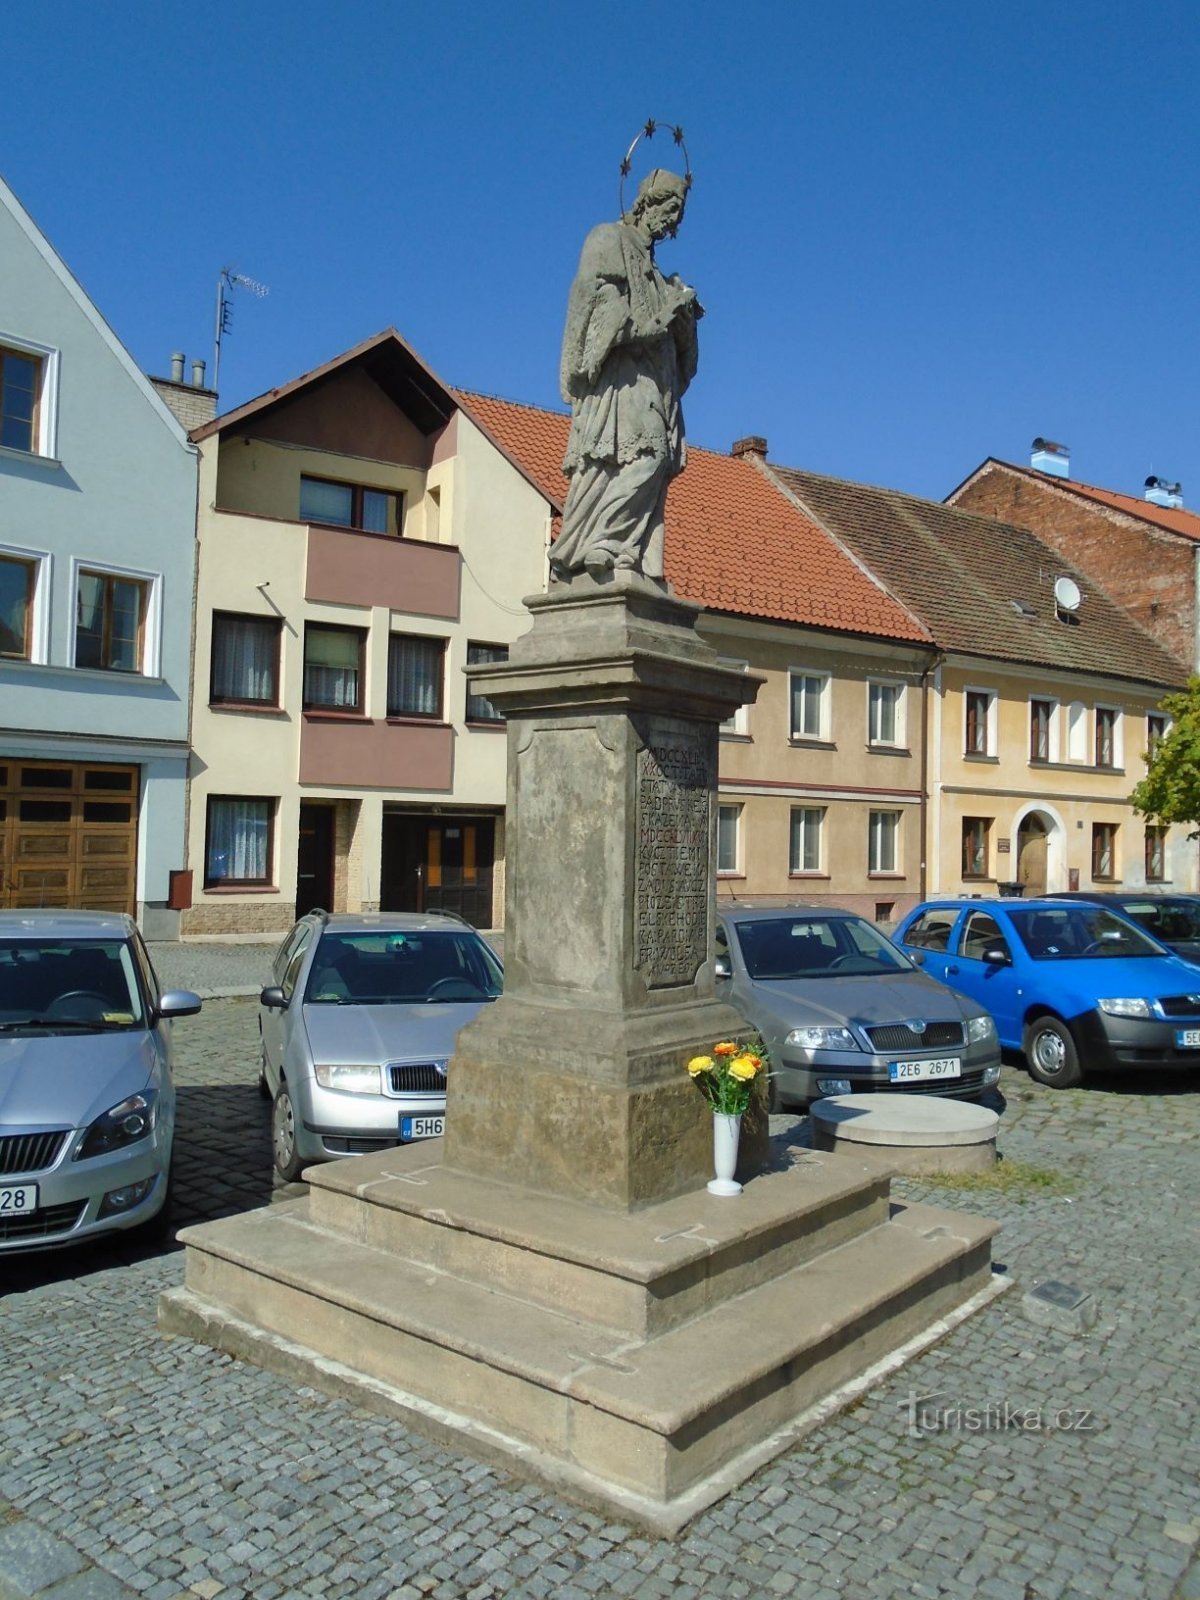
(1031, 855)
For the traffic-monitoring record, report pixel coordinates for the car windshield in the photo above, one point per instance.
(816, 947)
(1172, 921)
(1079, 932)
(394, 968)
(85, 985)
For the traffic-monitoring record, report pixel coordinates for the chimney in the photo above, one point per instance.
(1050, 458)
(197, 374)
(191, 403)
(177, 360)
(1161, 493)
(753, 445)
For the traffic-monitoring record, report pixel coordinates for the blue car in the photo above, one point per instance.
(1078, 987)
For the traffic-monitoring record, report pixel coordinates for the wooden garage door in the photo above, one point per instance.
(68, 835)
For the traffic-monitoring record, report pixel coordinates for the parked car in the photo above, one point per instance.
(842, 1010)
(359, 1026)
(87, 1101)
(1078, 987)
(1172, 919)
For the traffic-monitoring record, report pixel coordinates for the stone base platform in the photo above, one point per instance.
(907, 1133)
(643, 1363)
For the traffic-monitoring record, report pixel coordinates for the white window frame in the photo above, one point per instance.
(737, 809)
(877, 837)
(47, 425)
(798, 868)
(898, 739)
(1118, 737)
(1053, 737)
(822, 695)
(739, 722)
(151, 663)
(991, 721)
(39, 618)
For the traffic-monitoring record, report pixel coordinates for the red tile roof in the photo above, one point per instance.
(735, 542)
(1180, 521)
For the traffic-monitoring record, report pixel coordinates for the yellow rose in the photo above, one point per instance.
(699, 1064)
(725, 1049)
(744, 1067)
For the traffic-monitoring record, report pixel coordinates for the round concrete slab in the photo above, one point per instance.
(913, 1133)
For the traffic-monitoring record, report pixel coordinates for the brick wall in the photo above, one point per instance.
(1145, 569)
(234, 916)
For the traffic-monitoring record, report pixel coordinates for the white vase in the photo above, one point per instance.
(726, 1132)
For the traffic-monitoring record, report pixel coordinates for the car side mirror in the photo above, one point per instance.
(917, 957)
(722, 967)
(273, 998)
(996, 956)
(178, 1003)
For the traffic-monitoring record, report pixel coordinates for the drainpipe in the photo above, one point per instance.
(934, 664)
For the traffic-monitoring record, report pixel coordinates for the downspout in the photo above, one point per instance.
(934, 663)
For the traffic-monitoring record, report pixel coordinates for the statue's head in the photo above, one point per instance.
(661, 198)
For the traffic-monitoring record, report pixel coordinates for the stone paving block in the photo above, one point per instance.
(32, 1560)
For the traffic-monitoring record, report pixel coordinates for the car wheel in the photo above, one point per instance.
(774, 1097)
(283, 1137)
(1051, 1054)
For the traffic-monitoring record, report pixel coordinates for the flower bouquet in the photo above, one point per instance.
(727, 1077)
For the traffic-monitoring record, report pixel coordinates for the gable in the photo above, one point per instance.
(346, 414)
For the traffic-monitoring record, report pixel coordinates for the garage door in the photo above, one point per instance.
(68, 835)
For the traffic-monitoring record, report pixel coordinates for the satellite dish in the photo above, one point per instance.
(1066, 594)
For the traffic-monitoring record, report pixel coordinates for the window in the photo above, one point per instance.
(1156, 729)
(110, 618)
(16, 607)
(807, 825)
(810, 705)
(739, 722)
(978, 736)
(1104, 849)
(333, 668)
(480, 709)
(975, 833)
(1106, 737)
(245, 660)
(981, 933)
(931, 930)
(238, 845)
(885, 713)
(350, 505)
(883, 838)
(1156, 854)
(729, 827)
(20, 390)
(416, 671)
(1041, 721)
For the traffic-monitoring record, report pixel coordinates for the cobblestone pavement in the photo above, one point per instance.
(130, 1463)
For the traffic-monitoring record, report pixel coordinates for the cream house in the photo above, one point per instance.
(361, 539)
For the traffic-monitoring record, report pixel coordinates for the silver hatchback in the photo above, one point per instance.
(87, 1102)
(358, 1029)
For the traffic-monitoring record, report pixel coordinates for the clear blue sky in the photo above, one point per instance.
(923, 232)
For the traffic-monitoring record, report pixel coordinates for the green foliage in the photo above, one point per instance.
(1170, 791)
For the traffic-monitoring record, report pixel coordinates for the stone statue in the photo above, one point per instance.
(629, 352)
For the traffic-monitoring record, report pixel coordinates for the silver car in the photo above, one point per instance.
(359, 1026)
(841, 1009)
(87, 1102)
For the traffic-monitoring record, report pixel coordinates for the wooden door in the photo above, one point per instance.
(1031, 856)
(68, 835)
(314, 858)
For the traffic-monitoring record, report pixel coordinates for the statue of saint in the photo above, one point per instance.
(629, 352)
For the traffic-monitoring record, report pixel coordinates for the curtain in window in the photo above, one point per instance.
(330, 503)
(238, 832)
(331, 658)
(244, 654)
(414, 676)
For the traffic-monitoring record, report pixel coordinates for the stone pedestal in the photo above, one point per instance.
(574, 1082)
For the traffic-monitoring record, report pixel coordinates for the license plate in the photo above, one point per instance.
(421, 1128)
(923, 1071)
(1187, 1038)
(19, 1200)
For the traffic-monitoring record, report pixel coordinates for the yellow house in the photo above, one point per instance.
(1041, 702)
(361, 538)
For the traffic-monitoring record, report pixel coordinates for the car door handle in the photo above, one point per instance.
(951, 967)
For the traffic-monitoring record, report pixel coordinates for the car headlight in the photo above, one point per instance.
(350, 1080)
(120, 1125)
(822, 1039)
(980, 1028)
(1125, 1008)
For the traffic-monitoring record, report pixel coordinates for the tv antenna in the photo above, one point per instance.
(227, 281)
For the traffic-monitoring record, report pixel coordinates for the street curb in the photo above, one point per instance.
(36, 1565)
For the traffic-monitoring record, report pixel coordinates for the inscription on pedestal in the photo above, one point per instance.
(675, 782)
